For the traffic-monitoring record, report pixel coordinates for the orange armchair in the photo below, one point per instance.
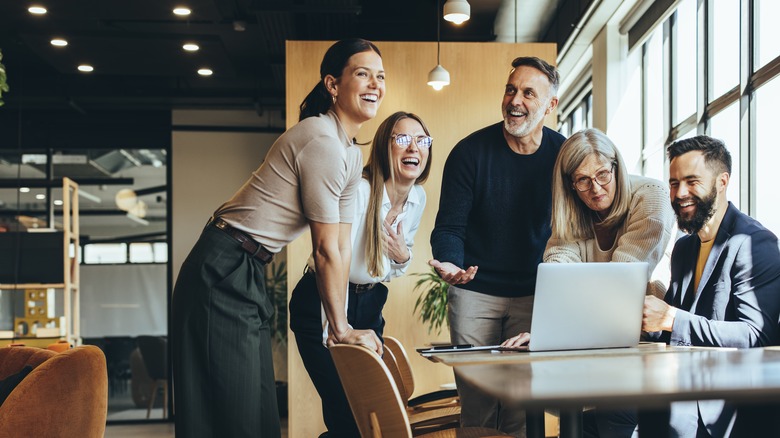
(65, 395)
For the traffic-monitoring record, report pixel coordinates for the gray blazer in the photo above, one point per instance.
(737, 304)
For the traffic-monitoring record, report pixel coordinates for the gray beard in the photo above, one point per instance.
(524, 128)
(517, 130)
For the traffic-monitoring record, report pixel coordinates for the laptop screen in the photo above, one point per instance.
(588, 305)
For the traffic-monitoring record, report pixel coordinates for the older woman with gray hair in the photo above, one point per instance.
(600, 213)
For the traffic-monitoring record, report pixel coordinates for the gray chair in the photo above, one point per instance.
(154, 350)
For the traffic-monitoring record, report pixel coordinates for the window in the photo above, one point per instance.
(725, 126)
(118, 253)
(725, 46)
(767, 156)
(105, 253)
(145, 252)
(684, 67)
(653, 153)
(564, 129)
(766, 33)
(576, 119)
(626, 129)
(736, 108)
(578, 115)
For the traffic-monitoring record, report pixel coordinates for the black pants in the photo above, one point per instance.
(364, 312)
(601, 423)
(223, 369)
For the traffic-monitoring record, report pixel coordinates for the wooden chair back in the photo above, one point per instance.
(404, 365)
(372, 392)
(392, 365)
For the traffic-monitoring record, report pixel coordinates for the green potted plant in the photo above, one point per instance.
(432, 302)
(3, 77)
(276, 287)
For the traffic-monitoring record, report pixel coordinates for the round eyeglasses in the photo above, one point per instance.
(404, 140)
(602, 178)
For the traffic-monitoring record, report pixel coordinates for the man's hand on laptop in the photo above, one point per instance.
(453, 274)
(517, 341)
(657, 315)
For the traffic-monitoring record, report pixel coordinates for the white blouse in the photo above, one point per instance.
(410, 216)
(358, 269)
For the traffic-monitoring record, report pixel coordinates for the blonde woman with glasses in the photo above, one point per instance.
(389, 206)
(600, 213)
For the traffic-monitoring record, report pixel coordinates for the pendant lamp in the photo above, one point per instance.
(457, 11)
(439, 77)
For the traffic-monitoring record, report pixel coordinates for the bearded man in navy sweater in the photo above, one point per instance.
(493, 224)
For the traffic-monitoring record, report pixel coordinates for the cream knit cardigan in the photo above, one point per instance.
(645, 236)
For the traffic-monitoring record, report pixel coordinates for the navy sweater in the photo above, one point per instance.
(494, 210)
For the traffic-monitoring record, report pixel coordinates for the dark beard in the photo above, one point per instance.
(705, 209)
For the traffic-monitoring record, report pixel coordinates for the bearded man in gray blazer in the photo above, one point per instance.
(725, 285)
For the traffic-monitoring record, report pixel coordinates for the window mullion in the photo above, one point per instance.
(747, 105)
(704, 78)
(670, 85)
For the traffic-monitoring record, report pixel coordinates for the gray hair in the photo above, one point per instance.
(544, 67)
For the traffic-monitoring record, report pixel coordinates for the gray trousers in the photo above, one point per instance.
(480, 319)
(223, 368)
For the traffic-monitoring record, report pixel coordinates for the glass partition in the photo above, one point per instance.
(123, 287)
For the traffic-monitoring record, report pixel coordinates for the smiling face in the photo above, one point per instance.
(359, 90)
(410, 161)
(694, 189)
(527, 99)
(597, 198)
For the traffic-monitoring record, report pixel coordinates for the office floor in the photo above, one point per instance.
(154, 430)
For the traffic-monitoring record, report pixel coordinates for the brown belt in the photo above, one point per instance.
(360, 288)
(248, 244)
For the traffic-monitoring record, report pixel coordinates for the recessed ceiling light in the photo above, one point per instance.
(181, 10)
(205, 72)
(24, 189)
(40, 196)
(86, 68)
(59, 42)
(190, 47)
(36, 9)
(58, 202)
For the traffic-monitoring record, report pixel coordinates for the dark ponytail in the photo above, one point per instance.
(319, 100)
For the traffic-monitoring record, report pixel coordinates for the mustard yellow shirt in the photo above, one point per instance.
(704, 254)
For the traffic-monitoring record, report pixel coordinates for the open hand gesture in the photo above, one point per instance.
(453, 274)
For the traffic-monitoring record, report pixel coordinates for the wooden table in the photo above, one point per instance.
(648, 377)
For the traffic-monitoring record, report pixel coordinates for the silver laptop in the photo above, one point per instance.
(588, 305)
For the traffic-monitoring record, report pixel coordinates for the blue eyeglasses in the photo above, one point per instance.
(404, 140)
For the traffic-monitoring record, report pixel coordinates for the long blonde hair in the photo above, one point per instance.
(572, 220)
(377, 171)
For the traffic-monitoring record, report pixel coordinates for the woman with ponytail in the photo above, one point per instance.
(223, 370)
(389, 206)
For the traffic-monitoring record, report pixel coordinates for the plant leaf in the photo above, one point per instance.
(431, 304)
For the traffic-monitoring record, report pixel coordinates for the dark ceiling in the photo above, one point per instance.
(135, 47)
(141, 72)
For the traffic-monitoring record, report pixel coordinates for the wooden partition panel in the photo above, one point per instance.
(472, 100)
